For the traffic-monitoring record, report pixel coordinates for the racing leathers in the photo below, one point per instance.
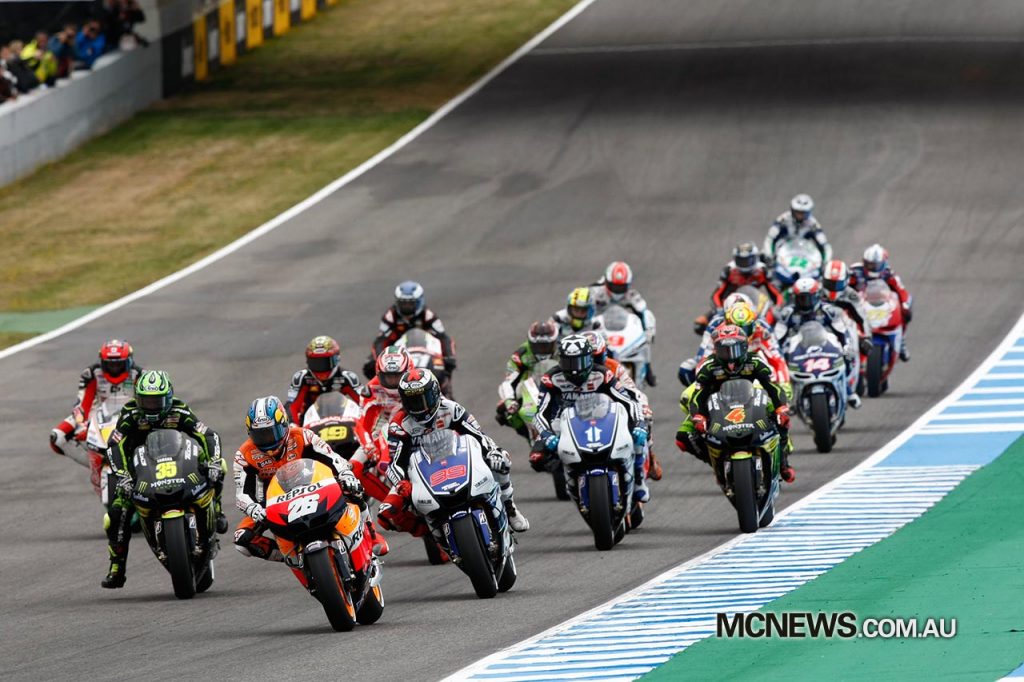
(404, 435)
(518, 368)
(131, 432)
(731, 279)
(859, 279)
(393, 325)
(371, 460)
(306, 388)
(762, 341)
(834, 320)
(633, 302)
(785, 228)
(557, 392)
(94, 388)
(253, 470)
(622, 374)
(565, 328)
(711, 374)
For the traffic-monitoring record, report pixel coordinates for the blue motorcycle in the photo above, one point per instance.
(817, 371)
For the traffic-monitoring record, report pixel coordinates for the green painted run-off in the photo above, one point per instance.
(42, 321)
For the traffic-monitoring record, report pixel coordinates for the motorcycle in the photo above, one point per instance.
(456, 494)
(885, 320)
(597, 451)
(528, 397)
(744, 446)
(796, 258)
(818, 374)
(174, 501)
(426, 352)
(334, 418)
(92, 449)
(332, 551)
(628, 341)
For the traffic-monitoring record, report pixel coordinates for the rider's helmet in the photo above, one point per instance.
(267, 424)
(420, 393)
(322, 355)
(745, 257)
(834, 279)
(618, 277)
(392, 363)
(542, 338)
(876, 261)
(743, 316)
(154, 395)
(580, 307)
(806, 295)
(800, 208)
(116, 360)
(598, 346)
(576, 358)
(730, 346)
(734, 298)
(409, 301)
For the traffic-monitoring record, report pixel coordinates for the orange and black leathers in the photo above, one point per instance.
(131, 432)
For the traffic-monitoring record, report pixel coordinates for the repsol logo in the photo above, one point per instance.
(303, 490)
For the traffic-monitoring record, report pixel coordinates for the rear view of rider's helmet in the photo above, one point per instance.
(741, 315)
(598, 346)
(322, 356)
(116, 360)
(730, 346)
(834, 279)
(801, 207)
(806, 294)
(542, 338)
(154, 395)
(409, 301)
(575, 358)
(618, 277)
(580, 307)
(876, 261)
(392, 363)
(420, 393)
(267, 424)
(745, 257)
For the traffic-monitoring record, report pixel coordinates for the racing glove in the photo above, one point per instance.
(124, 483)
(255, 512)
(215, 470)
(511, 407)
(700, 423)
(498, 461)
(782, 416)
(370, 368)
(450, 364)
(550, 440)
(640, 436)
(350, 484)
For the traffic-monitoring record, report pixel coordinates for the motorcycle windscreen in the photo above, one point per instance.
(444, 463)
(736, 392)
(593, 423)
(615, 318)
(295, 474)
(168, 443)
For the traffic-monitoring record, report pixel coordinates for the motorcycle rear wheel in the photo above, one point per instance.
(821, 422)
(330, 591)
(745, 494)
(601, 522)
(179, 557)
(874, 371)
(473, 557)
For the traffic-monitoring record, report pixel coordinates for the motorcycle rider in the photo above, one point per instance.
(410, 311)
(733, 359)
(368, 463)
(575, 376)
(272, 442)
(835, 280)
(424, 411)
(578, 315)
(114, 374)
(539, 347)
(322, 375)
(600, 353)
(797, 223)
(807, 306)
(875, 265)
(745, 269)
(616, 286)
(154, 407)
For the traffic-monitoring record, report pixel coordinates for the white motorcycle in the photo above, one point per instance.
(796, 258)
(628, 341)
(92, 451)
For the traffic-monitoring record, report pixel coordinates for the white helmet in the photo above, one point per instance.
(802, 204)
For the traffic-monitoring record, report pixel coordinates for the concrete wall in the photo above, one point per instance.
(48, 123)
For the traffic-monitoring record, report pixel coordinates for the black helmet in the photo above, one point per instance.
(542, 338)
(420, 393)
(576, 358)
(730, 346)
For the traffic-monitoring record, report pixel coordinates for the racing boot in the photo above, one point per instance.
(854, 401)
(688, 371)
(377, 541)
(787, 472)
(700, 323)
(651, 380)
(516, 519)
(222, 521)
(116, 574)
(904, 351)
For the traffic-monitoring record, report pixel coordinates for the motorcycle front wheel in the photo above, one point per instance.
(179, 557)
(745, 494)
(331, 592)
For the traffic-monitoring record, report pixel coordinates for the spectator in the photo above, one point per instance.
(37, 57)
(119, 17)
(90, 44)
(8, 83)
(62, 45)
(24, 79)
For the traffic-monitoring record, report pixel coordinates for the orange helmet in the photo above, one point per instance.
(116, 360)
(322, 356)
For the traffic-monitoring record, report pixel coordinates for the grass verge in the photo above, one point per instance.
(192, 173)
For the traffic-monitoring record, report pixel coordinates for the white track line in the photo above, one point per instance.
(298, 208)
(1009, 341)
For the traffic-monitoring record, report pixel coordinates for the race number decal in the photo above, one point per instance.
(736, 415)
(451, 473)
(817, 365)
(334, 433)
(302, 506)
(166, 470)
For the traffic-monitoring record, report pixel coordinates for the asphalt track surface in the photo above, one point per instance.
(653, 151)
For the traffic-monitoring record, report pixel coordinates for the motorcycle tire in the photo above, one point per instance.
(600, 519)
(821, 422)
(205, 578)
(474, 560)
(745, 494)
(434, 555)
(558, 479)
(330, 591)
(769, 515)
(179, 557)
(372, 607)
(508, 576)
(874, 371)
